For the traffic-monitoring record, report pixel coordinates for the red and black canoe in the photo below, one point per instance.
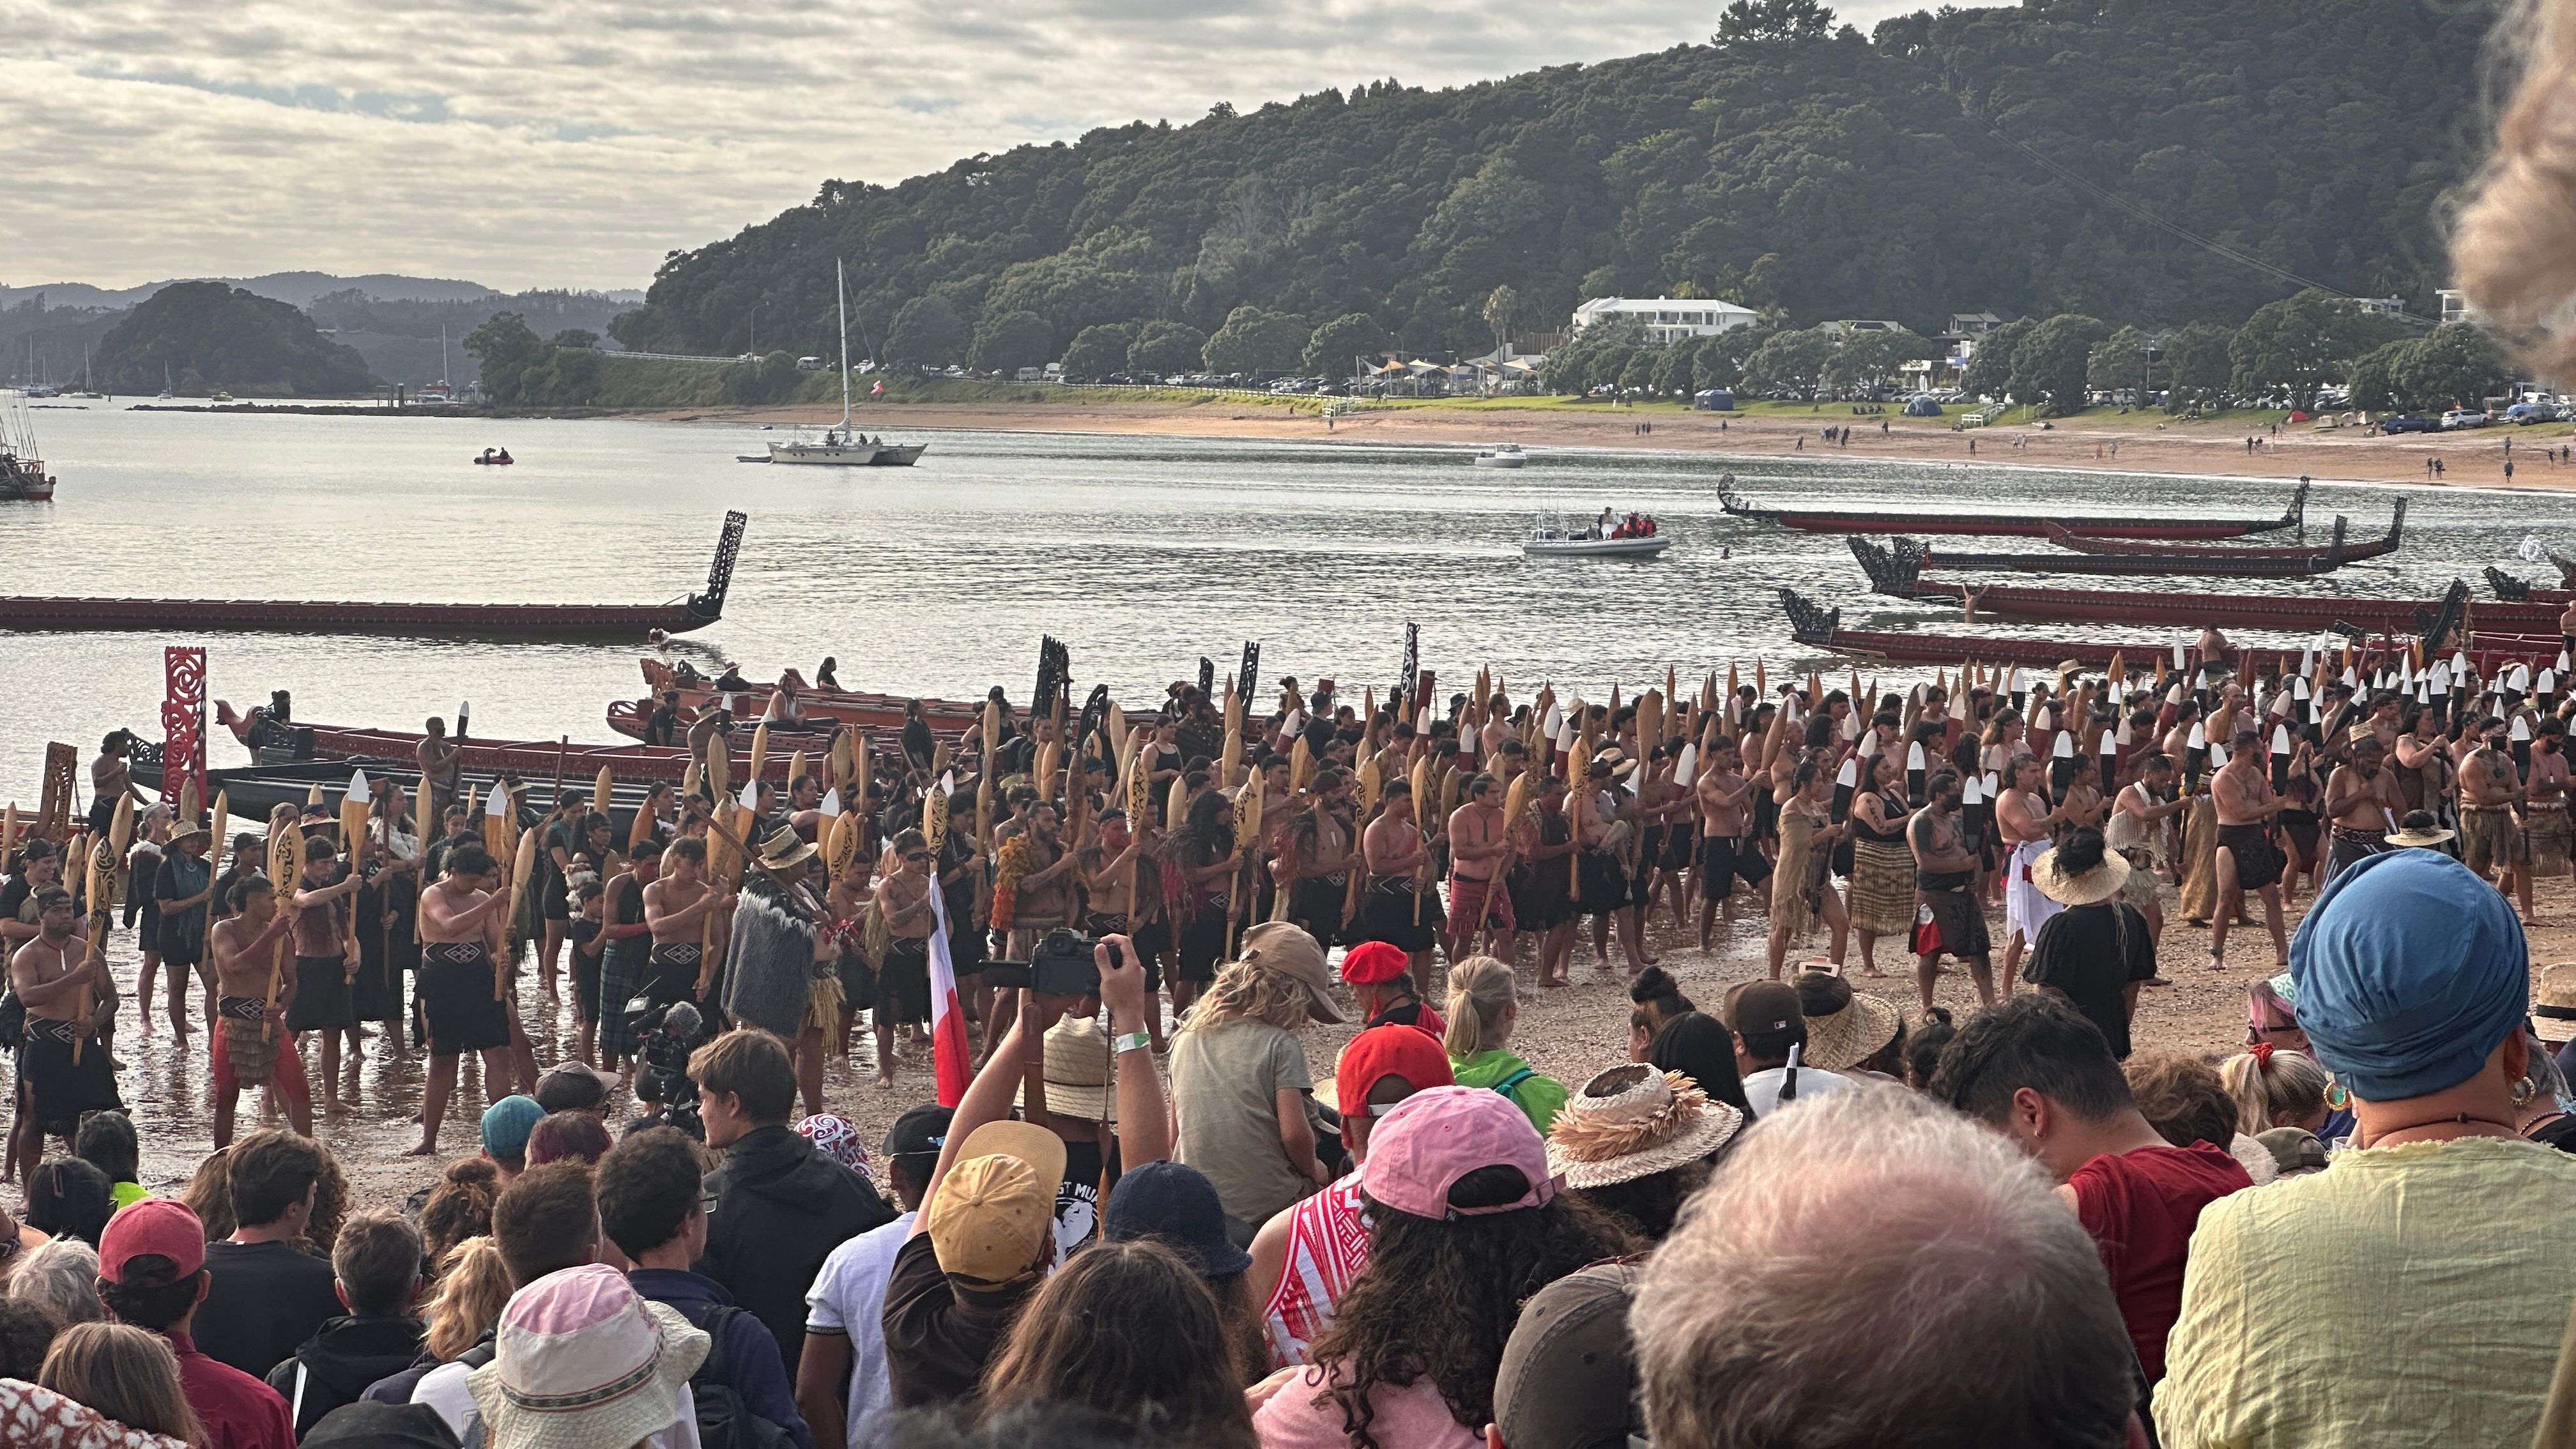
(2156, 561)
(2130, 548)
(2007, 525)
(476, 621)
(2512, 590)
(531, 759)
(825, 707)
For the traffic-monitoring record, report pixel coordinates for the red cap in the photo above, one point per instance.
(154, 1225)
(1372, 962)
(1392, 1050)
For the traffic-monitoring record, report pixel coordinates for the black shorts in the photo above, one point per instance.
(1202, 944)
(61, 1090)
(1726, 859)
(1097, 924)
(465, 1013)
(1677, 848)
(585, 983)
(1605, 886)
(1958, 926)
(321, 995)
(903, 984)
(858, 983)
(967, 946)
(1317, 906)
(671, 972)
(558, 902)
(1392, 913)
(181, 944)
(2258, 860)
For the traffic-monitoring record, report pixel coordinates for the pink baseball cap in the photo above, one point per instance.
(154, 1226)
(1428, 1141)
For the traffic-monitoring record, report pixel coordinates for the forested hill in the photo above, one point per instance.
(1818, 171)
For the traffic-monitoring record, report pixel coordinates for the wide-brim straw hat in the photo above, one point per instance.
(2421, 837)
(784, 848)
(594, 1374)
(2553, 1002)
(1077, 1071)
(2103, 882)
(1634, 1121)
(1844, 1039)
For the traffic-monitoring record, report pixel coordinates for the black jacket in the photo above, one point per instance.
(781, 1208)
(340, 1360)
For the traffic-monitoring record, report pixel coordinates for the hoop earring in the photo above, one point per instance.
(2524, 1089)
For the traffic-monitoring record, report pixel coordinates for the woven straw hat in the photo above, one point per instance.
(1633, 1121)
(2103, 882)
(2553, 1002)
(1077, 1071)
(1844, 1027)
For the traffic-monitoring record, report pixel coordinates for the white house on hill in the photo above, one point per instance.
(1667, 318)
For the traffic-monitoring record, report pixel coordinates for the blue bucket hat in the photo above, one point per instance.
(2409, 970)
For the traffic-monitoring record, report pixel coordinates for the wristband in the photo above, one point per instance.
(1132, 1042)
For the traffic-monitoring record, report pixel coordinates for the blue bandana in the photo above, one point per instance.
(2409, 971)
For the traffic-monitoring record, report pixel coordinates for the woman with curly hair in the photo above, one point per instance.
(1239, 1077)
(1465, 1223)
(1127, 1328)
(459, 1206)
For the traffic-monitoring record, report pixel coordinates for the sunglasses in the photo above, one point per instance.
(916, 855)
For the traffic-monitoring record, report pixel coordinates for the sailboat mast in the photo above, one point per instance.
(841, 292)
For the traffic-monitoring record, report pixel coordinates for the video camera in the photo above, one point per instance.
(664, 1038)
(1061, 964)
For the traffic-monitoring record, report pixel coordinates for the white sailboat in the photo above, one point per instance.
(839, 447)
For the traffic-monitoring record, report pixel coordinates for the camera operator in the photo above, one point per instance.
(781, 1207)
(665, 1037)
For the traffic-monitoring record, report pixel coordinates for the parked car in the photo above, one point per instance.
(2525, 414)
(2464, 418)
(2408, 423)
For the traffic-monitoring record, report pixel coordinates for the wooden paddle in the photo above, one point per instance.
(285, 867)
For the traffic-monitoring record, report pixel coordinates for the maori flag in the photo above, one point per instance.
(1245, 680)
(1207, 677)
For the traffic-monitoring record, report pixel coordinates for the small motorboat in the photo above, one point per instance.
(1501, 455)
(491, 458)
(751, 457)
(1549, 540)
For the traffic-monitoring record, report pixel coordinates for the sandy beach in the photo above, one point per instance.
(2140, 442)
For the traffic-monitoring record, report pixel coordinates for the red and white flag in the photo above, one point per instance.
(878, 390)
(949, 1054)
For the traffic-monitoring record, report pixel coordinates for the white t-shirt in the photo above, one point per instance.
(443, 1388)
(1762, 1088)
(848, 1297)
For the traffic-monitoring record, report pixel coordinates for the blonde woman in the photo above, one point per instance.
(473, 1288)
(2275, 1089)
(1240, 1081)
(1483, 1008)
(127, 1374)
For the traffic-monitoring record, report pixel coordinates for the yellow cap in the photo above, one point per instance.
(995, 1206)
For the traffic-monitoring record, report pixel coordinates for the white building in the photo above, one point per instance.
(2455, 305)
(1667, 318)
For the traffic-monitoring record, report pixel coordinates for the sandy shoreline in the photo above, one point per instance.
(2131, 444)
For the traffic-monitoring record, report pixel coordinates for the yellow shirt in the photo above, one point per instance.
(2407, 1295)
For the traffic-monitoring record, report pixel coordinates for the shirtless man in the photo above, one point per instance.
(2137, 830)
(1315, 869)
(252, 1048)
(111, 779)
(903, 982)
(1477, 901)
(2248, 859)
(2362, 803)
(677, 907)
(1044, 896)
(1399, 863)
(440, 764)
(1663, 814)
(1726, 851)
(2023, 821)
(2545, 832)
(464, 932)
(1497, 727)
(326, 962)
(2490, 837)
(56, 975)
(1945, 873)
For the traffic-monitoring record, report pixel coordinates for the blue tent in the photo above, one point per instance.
(1715, 400)
(1921, 405)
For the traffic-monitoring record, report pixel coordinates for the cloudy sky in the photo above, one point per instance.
(573, 142)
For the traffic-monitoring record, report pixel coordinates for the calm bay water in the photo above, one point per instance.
(1141, 553)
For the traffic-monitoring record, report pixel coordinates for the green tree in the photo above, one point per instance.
(927, 333)
(1673, 368)
(1165, 347)
(2197, 369)
(1794, 361)
(1255, 341)
(2372, 378)
(2452, 367)
(758, 383)
(1989, 370)
(2301, 343)
(1099, 350)
(1719, 361)
(1335, 347)
(1756, 21)
(2118, 361)
(505, 347)
(1500, 304)
(1010, 341)
(1869, 359)
(2049, 365)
